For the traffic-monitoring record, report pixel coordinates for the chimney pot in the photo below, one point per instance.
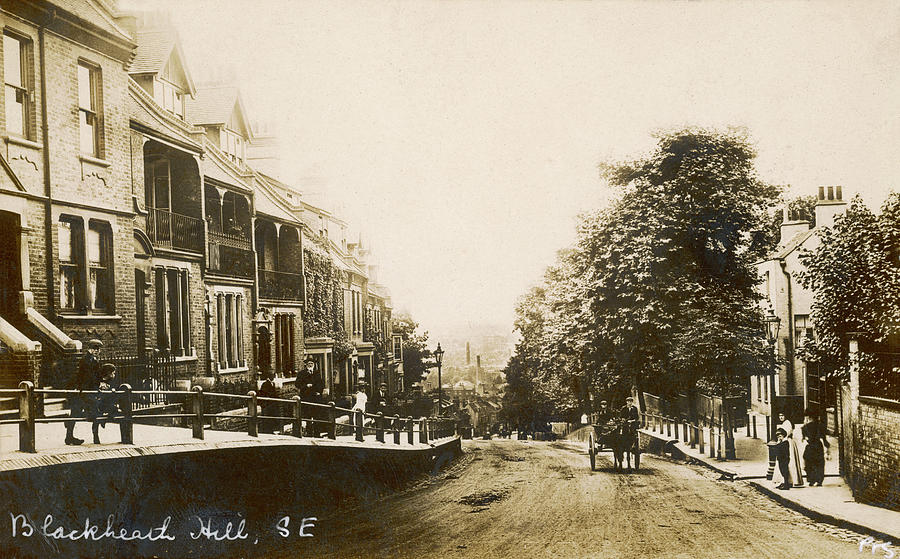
(837, 193)
(821, 193)
(831, 193)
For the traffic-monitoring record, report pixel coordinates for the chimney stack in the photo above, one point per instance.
(790, 228)
(830, 202)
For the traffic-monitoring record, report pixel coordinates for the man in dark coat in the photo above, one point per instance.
(310, 386)
(310, 383)
(268, 390)
(86, 377)
(631, 414)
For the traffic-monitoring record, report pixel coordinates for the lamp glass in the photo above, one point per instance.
(773, 324)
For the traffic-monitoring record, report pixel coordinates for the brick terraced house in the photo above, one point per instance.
(132, 213)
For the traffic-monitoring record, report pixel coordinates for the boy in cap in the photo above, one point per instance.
(106, 399)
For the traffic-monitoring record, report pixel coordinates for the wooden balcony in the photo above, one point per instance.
(230, 254)
(280, 286)
(175, 231)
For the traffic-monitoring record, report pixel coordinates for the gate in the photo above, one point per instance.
(151, 371)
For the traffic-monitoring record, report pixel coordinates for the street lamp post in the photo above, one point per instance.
(439, 358)
(773, 324)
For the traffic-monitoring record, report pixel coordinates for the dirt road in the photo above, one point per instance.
(521, 499)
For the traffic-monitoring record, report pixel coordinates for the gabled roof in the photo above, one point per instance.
(157, 48)
(147, 116)
(216, 106)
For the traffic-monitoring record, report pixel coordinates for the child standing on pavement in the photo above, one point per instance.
(782, 457)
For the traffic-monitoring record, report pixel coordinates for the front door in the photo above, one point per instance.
(10, 264)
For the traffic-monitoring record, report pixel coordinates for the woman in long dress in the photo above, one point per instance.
(796, 475)
(816, 445)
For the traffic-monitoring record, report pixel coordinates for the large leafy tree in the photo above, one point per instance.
(676, 283)
(658, 291)
(854, 274)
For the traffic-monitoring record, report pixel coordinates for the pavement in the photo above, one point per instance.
(832, 503)
(150, 439)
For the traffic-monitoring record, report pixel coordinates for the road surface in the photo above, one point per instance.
(517, 499)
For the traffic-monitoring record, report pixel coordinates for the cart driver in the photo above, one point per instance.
(604, 414)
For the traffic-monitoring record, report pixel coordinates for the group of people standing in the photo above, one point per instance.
(95, 399)
(787, 455)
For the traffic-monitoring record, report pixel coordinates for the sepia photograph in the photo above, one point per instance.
(419, 279)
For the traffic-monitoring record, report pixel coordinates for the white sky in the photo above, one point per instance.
(464, 137)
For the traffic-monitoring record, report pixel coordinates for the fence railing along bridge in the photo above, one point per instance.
(292, 416)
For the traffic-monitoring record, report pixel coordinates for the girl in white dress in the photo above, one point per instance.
(796, 474)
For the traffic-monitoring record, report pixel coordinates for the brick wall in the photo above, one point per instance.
(876, 454)
(19, 366)
(74, 179)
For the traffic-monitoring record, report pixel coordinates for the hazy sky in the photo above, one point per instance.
(464, 137)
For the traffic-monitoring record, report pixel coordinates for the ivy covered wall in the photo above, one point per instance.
(324, 316)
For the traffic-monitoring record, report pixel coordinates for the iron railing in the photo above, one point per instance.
(151, 371)
(173, 230)
(280, 286)
(304, 419)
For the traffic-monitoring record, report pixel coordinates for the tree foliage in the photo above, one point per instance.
(658, 291)
(415, 350)
(854, 274)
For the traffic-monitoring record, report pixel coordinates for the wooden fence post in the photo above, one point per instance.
(410, 425)
(126, 426)
(297, 431)
(700, 437)
(252, 412)
(379, 427)
(396, 429)
(197, 401)
(26, 414)
(359, 425)
(332, 421)
(423, 431)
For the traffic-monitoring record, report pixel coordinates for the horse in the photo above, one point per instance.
(624, 443)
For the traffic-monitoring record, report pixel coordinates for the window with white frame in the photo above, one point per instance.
(17, 82)
(86, 279)
(230, 322)
(233, 145)
(170, 97)
(803, 329)
(89, 109)
(173, 322)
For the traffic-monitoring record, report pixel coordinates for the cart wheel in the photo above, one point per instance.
(592, 451)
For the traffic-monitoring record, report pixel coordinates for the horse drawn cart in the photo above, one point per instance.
(618, 435)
